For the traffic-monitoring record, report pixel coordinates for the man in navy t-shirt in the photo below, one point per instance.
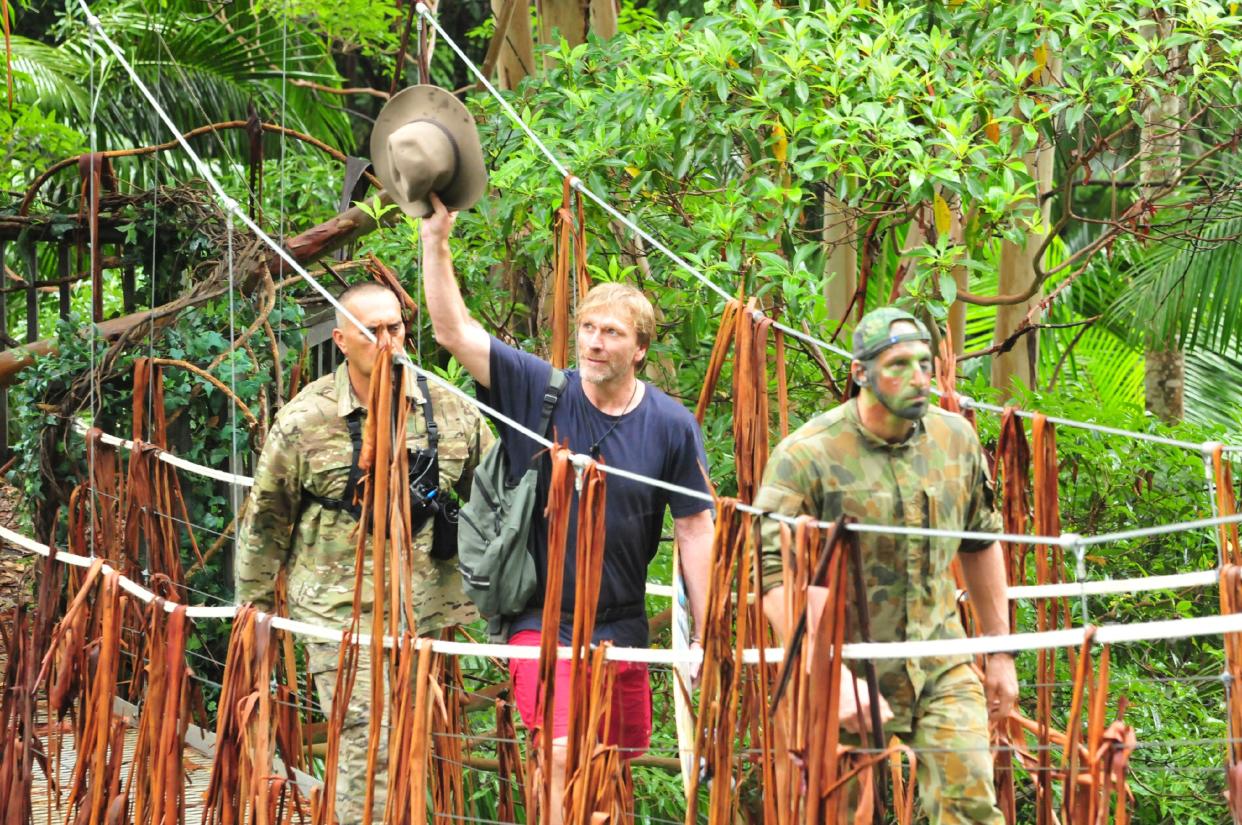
(605, 411)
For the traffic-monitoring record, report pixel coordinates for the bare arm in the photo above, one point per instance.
(694, 542)
(454, 329)
(986, 585)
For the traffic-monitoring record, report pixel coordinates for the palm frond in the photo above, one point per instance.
(53, 77)
(1188, 293)
(1101, 361)
(1213, 393)
(202, 69)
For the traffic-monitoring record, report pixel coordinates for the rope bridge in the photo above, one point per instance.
(125, 627)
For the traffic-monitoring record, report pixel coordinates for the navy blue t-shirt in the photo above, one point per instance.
(659, 438)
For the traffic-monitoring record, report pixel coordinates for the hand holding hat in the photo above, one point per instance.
(425, 141)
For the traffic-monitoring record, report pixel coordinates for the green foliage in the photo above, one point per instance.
(202, 69)
(32, 136)
(354, 24)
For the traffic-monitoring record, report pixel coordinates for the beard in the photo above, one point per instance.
(909, 410)
(599, 374)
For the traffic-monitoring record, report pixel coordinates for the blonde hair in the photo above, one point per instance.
(612, 295)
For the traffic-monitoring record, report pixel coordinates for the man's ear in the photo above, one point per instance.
(338, 338)
(858, 371)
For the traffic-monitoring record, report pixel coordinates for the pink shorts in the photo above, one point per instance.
(630, 725)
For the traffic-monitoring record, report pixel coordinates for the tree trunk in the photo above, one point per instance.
(572, 19)
(840, 236)
(515, 46)
(957, 309)
(604, 18)
(1164, 381)
(1017, 272)
(566, 19)
(1160, 160)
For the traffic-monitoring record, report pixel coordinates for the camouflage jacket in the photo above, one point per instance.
(937, 477)
(309, 450)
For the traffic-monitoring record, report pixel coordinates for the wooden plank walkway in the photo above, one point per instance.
(196, 759)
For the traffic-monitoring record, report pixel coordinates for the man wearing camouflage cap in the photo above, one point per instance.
(300, 516)
(887, 457)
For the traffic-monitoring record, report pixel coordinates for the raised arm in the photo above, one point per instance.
(454, 329)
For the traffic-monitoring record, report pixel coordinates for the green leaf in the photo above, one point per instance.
(948, 287)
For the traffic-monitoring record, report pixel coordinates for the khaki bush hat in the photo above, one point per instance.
(424, 141)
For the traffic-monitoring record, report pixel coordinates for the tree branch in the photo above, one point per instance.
(161, 147)
(1024, 328)
(216, 382)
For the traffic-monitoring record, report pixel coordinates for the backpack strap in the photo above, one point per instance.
(556, 385)
(346, 502)
(551, 394)
(429, 417)
(354, 422)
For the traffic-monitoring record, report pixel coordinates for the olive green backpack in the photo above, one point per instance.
(494, 530)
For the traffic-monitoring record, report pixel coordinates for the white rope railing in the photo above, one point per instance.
(1065, 540)
(1141, 631)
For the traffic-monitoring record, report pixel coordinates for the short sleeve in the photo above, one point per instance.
(518, 382)
(787, 489)
(981, 513)
(271, 510)
(688, 468)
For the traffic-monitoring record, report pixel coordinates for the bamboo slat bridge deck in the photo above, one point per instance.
(196, 760)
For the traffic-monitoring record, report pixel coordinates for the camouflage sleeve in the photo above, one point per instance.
(981, 513)
(480, 440)
(274, 503)
(788, 488)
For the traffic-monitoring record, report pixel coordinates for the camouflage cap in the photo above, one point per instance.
(874, 334)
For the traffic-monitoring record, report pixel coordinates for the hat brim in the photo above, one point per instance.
(431, 103)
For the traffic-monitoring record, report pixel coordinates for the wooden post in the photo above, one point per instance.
(4, 338)
(32, 293)
(127, 288)
(62, 272)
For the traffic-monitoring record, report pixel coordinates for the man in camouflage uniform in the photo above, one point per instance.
(294, 519)
(885, 457)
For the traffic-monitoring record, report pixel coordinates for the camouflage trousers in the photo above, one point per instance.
(351, 781)
(950, 739)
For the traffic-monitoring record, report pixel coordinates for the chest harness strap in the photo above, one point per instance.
(424, 466)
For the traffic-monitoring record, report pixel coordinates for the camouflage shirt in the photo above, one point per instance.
(937, 477)
(309, 450)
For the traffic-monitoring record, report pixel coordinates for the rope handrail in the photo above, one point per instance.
(1136, 632)
(1067, 540)
(600, 201)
